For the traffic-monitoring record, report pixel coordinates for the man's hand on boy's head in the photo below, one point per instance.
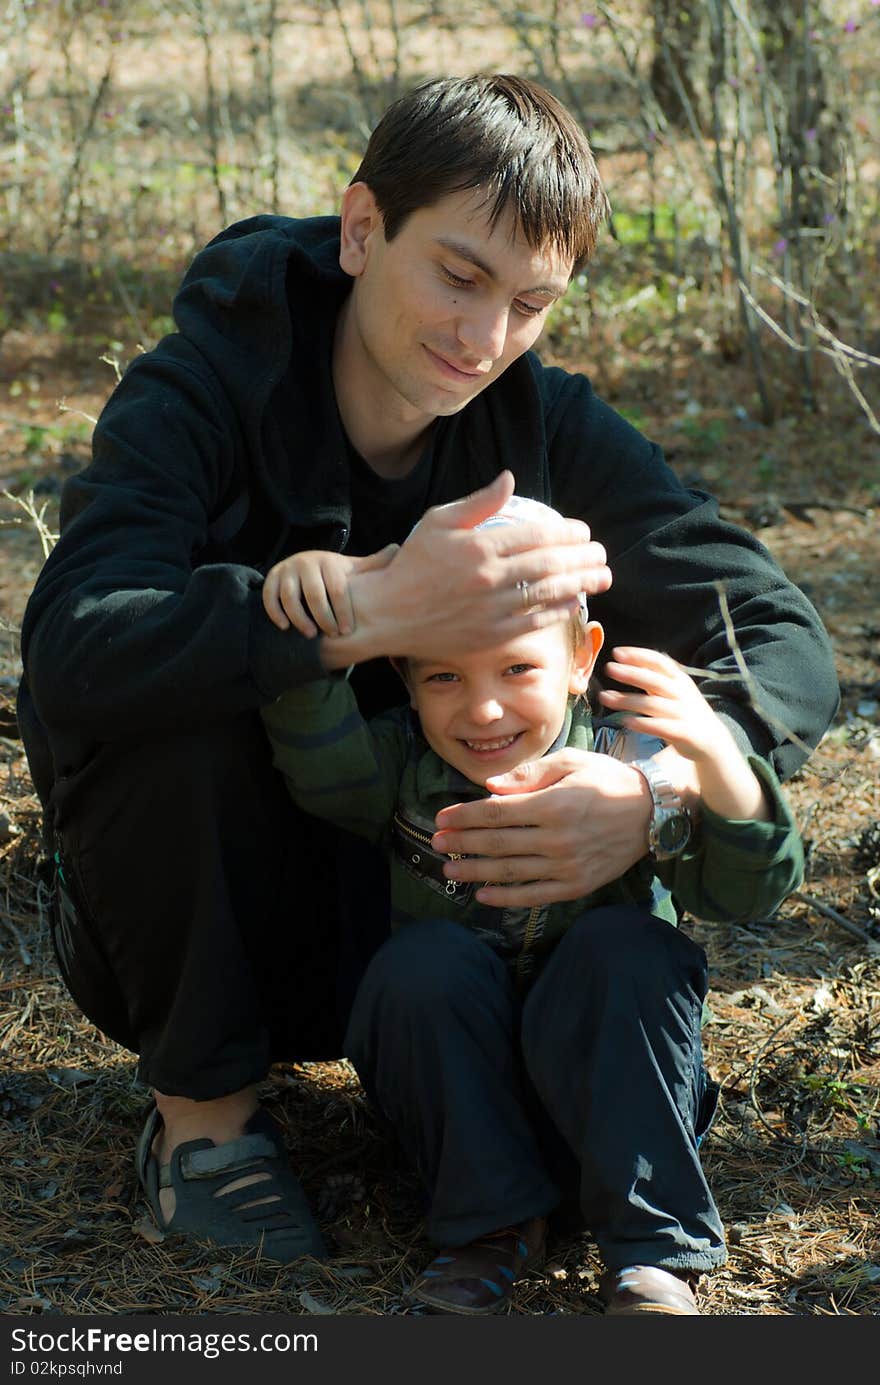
(555, 829)
(450, 587)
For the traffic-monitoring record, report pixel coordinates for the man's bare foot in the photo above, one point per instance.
(221, 1120)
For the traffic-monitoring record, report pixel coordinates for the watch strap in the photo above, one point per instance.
(667, 805)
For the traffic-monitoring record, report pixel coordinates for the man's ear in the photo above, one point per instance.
(401, 668)
(360, 217)
(585, 657)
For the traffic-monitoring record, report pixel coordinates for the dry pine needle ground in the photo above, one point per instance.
(794, 1038)
(793, 1158)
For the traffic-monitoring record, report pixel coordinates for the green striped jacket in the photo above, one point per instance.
(381, 780)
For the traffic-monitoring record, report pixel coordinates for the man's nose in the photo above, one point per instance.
(482, 331)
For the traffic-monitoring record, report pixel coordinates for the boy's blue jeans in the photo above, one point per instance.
(604, 1051)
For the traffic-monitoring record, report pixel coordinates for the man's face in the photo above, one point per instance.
(437, 313)
(489, 711)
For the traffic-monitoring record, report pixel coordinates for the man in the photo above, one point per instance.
(330, 381)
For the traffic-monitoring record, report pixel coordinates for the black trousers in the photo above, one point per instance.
(602, 1061)
(202, 921)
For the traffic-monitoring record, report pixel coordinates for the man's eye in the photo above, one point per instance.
(529, 309)
(456, 279)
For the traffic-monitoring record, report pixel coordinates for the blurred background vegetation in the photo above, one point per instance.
(738, 140)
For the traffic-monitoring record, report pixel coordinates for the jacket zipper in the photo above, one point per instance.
(534, 912)
(531, 925)
(423, 837)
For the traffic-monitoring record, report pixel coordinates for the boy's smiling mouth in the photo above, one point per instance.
(486, 747)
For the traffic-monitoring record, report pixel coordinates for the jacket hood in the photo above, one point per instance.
(232, 303)
(254, 300)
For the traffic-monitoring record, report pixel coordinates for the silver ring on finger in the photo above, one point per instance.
(522, 587)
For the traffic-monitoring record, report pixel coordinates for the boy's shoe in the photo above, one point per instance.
(648, 1289)
(478, 1278)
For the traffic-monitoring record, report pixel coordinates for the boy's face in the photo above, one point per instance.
(487, 712)
(437, 313)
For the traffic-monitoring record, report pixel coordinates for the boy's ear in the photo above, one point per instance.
(585, 657)
(401, 668)
(360, 217)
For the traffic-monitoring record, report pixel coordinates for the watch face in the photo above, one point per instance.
(673, 834)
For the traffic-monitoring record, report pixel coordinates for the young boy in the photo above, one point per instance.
(480, 1059)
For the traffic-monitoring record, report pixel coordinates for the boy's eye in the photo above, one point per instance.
(520, 668)
(441, 678)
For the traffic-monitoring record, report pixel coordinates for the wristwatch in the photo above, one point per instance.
(669, 830)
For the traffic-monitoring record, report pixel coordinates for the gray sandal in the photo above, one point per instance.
(200, 1170)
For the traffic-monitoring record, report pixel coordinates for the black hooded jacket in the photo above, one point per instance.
(148, 614)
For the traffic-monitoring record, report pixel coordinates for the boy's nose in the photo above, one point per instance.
(484, 710)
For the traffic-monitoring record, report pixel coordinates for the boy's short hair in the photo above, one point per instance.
(494, 131)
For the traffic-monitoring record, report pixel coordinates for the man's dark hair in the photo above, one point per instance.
(493, 131)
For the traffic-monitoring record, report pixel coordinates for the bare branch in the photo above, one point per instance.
(64, 408)
(827, 912)
(821, 330)
(36, 517)
(744, 676)
(843, 356)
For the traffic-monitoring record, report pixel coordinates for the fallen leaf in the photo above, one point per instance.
(208, 1283)
(72, 1077)
(312, 1305)
(148, 1229)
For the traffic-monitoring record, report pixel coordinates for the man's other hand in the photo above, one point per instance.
(556, 828)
